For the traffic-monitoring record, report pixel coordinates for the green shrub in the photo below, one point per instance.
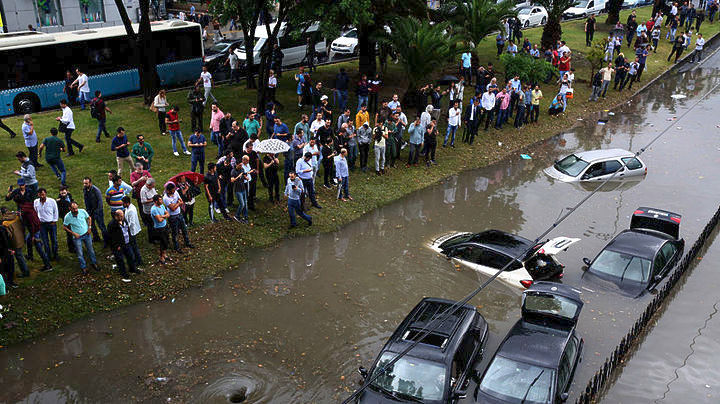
(529, 69)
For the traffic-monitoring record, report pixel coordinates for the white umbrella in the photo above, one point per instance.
(274, 146)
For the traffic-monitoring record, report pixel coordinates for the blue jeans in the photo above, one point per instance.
(176, 135)
(342, 96)
(177, 225)
(101, 129)
(217, 139)
(20, 257)
(352, 155)
(344, 187)
(48, 235)
(501, 117)
(135, 250)
(197, 160)
(87, 241)
(450, 129)
(36, 239)
(241, 211)
(362, 99)
(83, 97)
(58, 168)
(295, 208)
(124, 254)
(98, 222)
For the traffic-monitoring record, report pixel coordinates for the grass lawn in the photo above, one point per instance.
(46, 301)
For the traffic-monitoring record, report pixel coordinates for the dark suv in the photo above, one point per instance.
(439, 368)
(536, 361)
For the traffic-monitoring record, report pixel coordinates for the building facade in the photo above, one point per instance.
(63, 15)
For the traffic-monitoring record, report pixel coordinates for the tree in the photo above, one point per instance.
(422, 48)
(552, 32)
(476, 19)
(246, 14)
(613, 8)
(595, 56)
(143, 49)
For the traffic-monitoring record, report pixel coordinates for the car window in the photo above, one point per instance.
(411, 376)
(611, 166)
(351, 34)
(461, 361)
(515, 381)
(632, 163)
(571, 165)
(663, 257)
(494, 259)
(470, 253)
(591, 4)
(595, 170)
(622, 266)
(566, 364)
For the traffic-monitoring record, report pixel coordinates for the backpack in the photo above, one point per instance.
(93, 109)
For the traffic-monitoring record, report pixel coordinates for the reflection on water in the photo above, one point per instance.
(295, 321)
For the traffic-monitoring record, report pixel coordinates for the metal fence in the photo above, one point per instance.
(601, 378)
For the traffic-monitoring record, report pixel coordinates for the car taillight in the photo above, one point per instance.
(542, 251)
(560, 275)
(526, 283)
(638, 212)
(675, 219)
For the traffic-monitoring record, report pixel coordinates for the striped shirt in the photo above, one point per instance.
(116, 195)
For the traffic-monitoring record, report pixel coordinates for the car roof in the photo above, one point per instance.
(450, 330)
(638, 243)
(504, 242)
(594, 155)
(532, 342)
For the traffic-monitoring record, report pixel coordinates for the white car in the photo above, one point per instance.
(488, 251)
(585, 8)
(597, 165)
(532, 16)
(345, 45)
(294, 49)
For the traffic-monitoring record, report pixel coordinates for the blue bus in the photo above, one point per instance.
(32, 76)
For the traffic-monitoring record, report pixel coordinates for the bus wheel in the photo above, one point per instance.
(26, 103)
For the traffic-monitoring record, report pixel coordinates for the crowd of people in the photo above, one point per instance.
(327, 135)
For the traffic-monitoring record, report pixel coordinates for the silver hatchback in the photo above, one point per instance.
(597, 165)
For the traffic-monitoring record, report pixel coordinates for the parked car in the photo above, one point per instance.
(536, 361)
(532, 16)
(637, 259)
(597, 165)
(490, 250)
(345, 45)
(585, 8)
(631, 3)
(216, 55)
(439, 368)
(294, 47)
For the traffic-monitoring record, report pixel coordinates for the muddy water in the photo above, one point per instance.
(296, 320)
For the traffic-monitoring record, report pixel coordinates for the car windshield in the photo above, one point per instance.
(259, 44)
(411, 377)
(514, 381)
(524, 11)
(582, 4)
(553, 305)
(622, 266)
(351, 34)
(453, 241)
(219, 47)
(571, 165)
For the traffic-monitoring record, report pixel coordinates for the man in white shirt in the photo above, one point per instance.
(131, 216)
(453, 123)
(316, 157)
(699, 44)
(67, 126)
(563, 49)
(318, 123)
(395, 103)
(146, 200)
(47, 211)
(234, 63)
(488, 105)
(83, 85)
(207, 81)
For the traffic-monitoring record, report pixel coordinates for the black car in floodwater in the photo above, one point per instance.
(639, 258)
(439, 368)
(536, 361)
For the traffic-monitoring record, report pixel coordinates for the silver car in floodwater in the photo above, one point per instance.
(597, 165)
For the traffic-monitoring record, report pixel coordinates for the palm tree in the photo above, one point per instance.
(553, 31)
(421, 47)
(476, 19)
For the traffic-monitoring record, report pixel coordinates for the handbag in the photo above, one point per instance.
(62, 127)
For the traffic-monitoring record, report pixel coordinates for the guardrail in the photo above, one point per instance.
(600, 379)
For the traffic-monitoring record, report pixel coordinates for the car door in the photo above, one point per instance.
(462, 363)
(633, 166)
(469, 253)
(568, 363)
(535, 16)
(293, 49)
(663, 261)
(601, 171)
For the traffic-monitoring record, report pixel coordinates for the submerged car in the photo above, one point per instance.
(537, 360)
(439, 368)
(597, 165)
(490, 250)
(638, 259)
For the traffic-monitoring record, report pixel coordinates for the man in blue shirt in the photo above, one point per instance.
(77, 223)
(343, 176)
(120, 146)
(417, 131)
(294, 191)
(197, 143)
(31, 139)
(160, 217)
(466, 67)
(304, 170)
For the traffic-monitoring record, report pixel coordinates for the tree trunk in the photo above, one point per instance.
(149, 78)
(249, 59)
(613, 7)
(367, 62)
(552, 32)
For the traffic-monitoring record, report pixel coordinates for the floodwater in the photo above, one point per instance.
(295, 322)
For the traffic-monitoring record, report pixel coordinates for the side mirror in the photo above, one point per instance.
(587, 261)
(658, 278)
(363, 372)
(585, 177)
(460, 394)
(564, 396)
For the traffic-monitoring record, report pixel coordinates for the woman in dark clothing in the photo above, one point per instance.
(328, 152)
(70, 92)
(271, 164)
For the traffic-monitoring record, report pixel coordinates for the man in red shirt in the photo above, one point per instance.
(173, 123)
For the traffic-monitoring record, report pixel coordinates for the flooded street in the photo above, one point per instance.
(295, 322)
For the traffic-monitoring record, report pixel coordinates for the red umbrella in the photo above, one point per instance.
(191, 176)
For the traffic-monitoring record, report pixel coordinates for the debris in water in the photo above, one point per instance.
(602, 121)
(678, 96)
(525, 157)
(611, 113)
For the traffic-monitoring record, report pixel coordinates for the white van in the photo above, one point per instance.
(293, 48)
(585, 8)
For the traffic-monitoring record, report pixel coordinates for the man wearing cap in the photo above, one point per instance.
(304, 170)
(27, 173)
(77, 223)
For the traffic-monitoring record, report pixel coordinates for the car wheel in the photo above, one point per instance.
(527, 23)
(544, 20)
(26, 103)
(355, 51)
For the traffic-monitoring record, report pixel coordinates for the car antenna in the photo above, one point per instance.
(435, 324)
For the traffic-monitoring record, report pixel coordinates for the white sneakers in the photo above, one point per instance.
(126, 280)
(176, 153)
(187, 152)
